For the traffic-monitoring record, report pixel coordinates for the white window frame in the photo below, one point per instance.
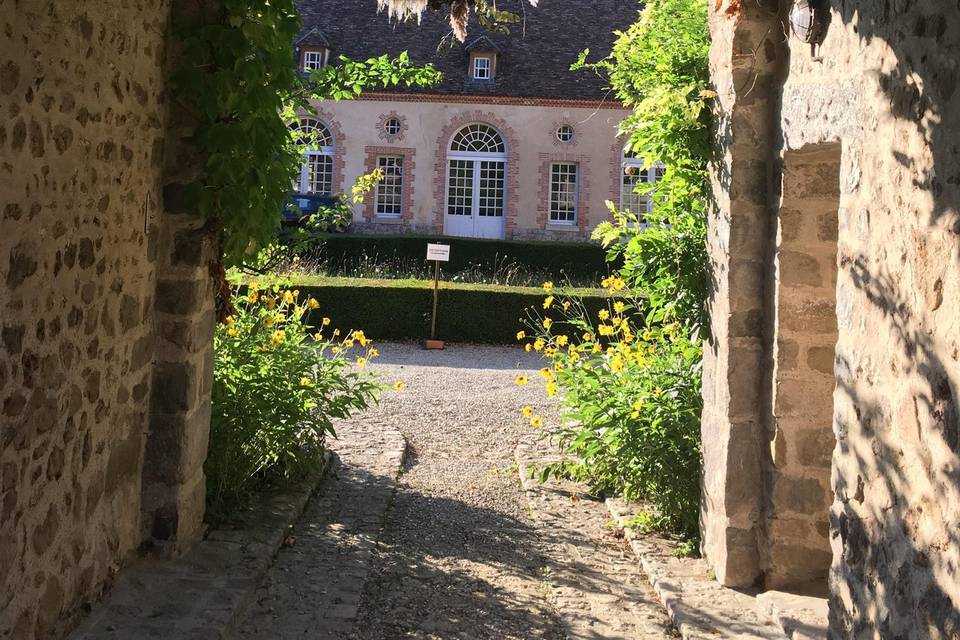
(645, 173)
(320, 59)
(487, 69)
(554, 209)
(476, 162)
(325, 154)
(387, 126)
(395, 195)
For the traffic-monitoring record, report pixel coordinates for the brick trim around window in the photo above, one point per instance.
(583, 194)
(409, 166)
(513, 167)
(339, 145)
(616, 170)
(382, 126)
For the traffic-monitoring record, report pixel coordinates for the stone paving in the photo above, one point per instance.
(462, 552)
(313, 588)
(595, 582)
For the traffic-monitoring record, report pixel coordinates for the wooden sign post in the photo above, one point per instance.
(438, 253)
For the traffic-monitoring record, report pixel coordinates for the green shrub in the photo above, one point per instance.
(400, 310)
(471, 260)
(631, 396)
(277, 387)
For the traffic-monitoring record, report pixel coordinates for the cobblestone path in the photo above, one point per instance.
(461, 551)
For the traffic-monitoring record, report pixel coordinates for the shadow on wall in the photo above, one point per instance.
(898, 479)
(921, 87)
(896, 584)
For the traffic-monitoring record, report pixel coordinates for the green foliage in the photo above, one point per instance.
(659, 67)
(471, 260)
(632, 385)
(237, 78)
(400, 310)
(631, 393)
(278, 385)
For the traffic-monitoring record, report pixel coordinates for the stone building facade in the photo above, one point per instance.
(558, 159)
(106, 323)
(831, 421)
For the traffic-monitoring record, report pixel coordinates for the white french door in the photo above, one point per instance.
(476, 191)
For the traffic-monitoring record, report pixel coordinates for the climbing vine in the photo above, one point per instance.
(236, 76)
(631, 376)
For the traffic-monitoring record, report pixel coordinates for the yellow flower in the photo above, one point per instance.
(566, 305)
(335, 349)
(288, 297)
(277, 338)
(536, 422)
(528, 347)
(638, 404)
(587, 337)
(619, 307)
(252, 297)
(317, 337)
(361, 362)
(325, 321)
(271, 302)
(372, 353)
(521, 335)
(254, 287)
(547, 322)
(399, 386)
(232, 332)
(360, 337)
(312, 303)
(551, 389)
(605, 330)
(268, 321)
(305, 382)
(562, 340)
(229, 321)
(604, 314)
(548, 286)
(646, 336)
(527, 411)
(538, 345)
(616, 364)
(605, 283)
(280, 319)
(522, 380)
(336, 332)
(546, 374)
(658, 392)
(547, 302)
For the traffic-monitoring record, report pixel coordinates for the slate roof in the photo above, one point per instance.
(533, 59)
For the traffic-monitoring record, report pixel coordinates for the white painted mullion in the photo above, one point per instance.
(475, 196)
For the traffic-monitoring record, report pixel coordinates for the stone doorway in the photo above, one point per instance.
(802, 438)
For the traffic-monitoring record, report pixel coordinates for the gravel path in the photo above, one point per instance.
(461, 552)
(459, 556)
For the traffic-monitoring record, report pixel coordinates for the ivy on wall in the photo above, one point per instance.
(236, 75)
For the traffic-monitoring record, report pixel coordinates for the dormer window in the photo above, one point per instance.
(314, 49)
(314, 59)
(481, 68)
(483, 60)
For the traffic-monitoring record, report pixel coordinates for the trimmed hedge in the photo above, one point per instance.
(559, 261)
(403, 312)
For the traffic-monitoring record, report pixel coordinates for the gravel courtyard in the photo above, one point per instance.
(456, 551)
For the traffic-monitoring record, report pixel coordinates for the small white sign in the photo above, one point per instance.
(439, 252)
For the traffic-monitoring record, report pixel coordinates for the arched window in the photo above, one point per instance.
(476, 181)
(316, 173)
(637, 172)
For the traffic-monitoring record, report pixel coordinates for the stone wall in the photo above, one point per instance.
(805, 318)
(880, 93)
(884, 86)
(81, 143)
(106, 304)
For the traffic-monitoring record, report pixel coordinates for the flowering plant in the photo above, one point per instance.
(278, 385)
(631, 397)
